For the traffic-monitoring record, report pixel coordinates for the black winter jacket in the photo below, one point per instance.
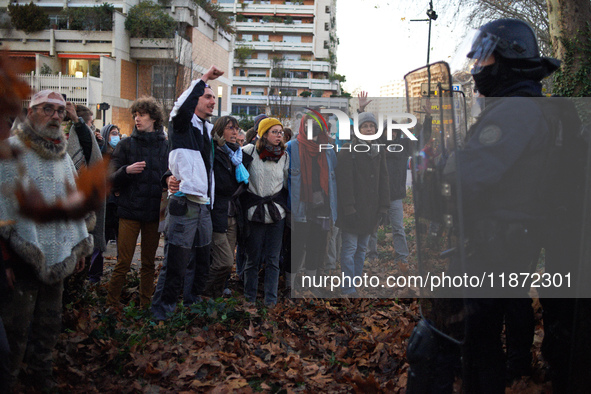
(397, 167)
(363, 190)
(225, 187)
(140, 194)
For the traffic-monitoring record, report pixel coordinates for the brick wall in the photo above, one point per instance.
(207, 52)
(145, 82)
(128, 80)
(123, 119)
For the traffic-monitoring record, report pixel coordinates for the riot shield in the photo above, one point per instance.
(438, 205)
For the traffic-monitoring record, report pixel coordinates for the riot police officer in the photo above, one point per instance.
(501, 169)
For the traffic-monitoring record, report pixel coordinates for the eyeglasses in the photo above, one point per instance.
(49, 111)
(230, 127)
(276, 132)
(114, 132)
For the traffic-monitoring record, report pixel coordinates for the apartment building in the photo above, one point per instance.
(392, 97)
(284, 55)
(95, 64)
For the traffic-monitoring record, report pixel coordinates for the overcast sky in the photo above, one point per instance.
(379, 43)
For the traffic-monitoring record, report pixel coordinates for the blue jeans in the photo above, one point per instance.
(396, 214)
(264, 240)
(353, 249)
(396, 217)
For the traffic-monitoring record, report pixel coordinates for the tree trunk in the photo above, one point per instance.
(569, 32)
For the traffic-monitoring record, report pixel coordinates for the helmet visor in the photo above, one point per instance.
(474, 49)
(482, 48)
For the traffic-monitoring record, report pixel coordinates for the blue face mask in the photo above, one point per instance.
(114, 140)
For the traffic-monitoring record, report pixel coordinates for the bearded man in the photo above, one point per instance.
(41, 255)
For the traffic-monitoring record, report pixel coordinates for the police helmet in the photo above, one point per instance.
(512, 41)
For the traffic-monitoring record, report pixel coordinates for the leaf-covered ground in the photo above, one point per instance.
(222, 346)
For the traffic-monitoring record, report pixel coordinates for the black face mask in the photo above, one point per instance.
(495, 78)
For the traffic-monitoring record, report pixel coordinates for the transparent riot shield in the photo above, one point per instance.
(441, 131)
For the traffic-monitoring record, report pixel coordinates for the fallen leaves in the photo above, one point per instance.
(226, 346)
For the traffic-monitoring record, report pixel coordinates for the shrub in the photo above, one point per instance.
(95, 18)
(29, 17)
(149, 20)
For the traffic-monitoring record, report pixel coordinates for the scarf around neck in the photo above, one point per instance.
(271, 153)
(309, 151)
(47, 148)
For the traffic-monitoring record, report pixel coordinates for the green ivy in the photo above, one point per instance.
(571, 81)
(149, 20)
(29, 17)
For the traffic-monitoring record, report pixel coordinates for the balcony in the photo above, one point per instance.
(86, 91)
(54, 41)
(302, 83)
(312, 65)
(260, 27)
(341, 103)
(161, 48)
(275, 9)
(280, 46)
(247, 99)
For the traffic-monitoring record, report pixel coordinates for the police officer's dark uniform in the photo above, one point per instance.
(501, 168)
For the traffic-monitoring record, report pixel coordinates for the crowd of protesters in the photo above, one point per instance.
(231, 199)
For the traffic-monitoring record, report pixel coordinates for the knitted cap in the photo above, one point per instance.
(47, 96)
(367, 117)
(266, 124)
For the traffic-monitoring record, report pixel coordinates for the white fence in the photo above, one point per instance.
(86, 91)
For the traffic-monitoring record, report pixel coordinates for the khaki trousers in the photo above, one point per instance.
(222, 255)
(126, 243)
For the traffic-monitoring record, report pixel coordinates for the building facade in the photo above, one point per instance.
(103, 63)
(284, 55)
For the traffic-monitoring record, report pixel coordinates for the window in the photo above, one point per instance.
(83, 68)
(296, 74)
(252, 110)
(257, 92)
(257, 73)
(247, 37)
(263, 56)
(293, 39)
(297, 21)
(238, 90)
(242, 73)
(326, 44)
(59, 22)
(326, 26)
(263, 37)
(289, 92)
(327, 9)
(164, 82)
(292, 57)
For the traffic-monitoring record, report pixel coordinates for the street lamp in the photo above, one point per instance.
(103, 107)
(220, 93)
(432, 15)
